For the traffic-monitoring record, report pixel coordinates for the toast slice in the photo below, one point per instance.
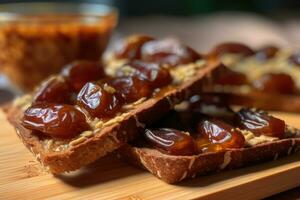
(106, 136)
(175, 168)
(255, 78)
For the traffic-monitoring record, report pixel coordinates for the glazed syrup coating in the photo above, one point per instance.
(171, 141)
(55, 120)
(216, 135)
(261, 123)
(98, 101)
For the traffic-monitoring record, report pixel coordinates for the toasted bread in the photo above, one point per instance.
(86, 148)
(261, 62)
(175, 167)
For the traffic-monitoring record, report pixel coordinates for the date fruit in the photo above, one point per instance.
(98, 100)
(230, 77)
(171, 141)
(275, 83)
(131, 88)
(54, 90)
(168, 52)
(131, 47)
(215, 135)
(261, 123)
(55, 120)
(156, 75)
(80, 72)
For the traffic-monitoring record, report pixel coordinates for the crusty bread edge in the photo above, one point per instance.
(173, 169)
(112, 137)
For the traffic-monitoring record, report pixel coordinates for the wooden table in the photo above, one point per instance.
(109, 178)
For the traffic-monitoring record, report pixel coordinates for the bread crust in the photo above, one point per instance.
(114, 136)
(173, 169)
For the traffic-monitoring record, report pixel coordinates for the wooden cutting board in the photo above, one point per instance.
(22, 178)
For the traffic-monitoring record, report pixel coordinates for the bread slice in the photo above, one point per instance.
(253, 67)
(173, 169)
(88, 147)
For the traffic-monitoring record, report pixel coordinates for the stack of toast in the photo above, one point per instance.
(155, 102)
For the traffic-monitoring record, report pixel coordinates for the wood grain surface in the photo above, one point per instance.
(109, 178)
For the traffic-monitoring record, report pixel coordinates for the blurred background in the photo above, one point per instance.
(201, 23)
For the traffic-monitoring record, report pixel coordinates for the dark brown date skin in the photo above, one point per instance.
(97, 101)
(215, 135)
(171, 141)
(130, 48)
(54, 90)
(275, 83)
(168, 52)
(232, 48)
(266, 52)
(131, 88)
(153, 73)
(55, 120)
(261, 123)
(80, 72)
(226, 76)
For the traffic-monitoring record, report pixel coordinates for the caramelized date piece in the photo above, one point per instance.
(275, 83)
(295, 59)
(215, 135)
(131, 88)
(232, 48)
(261, 123)
(156, 75)
(131, 47)
(230, 77)
(80, 72)
(55, 120)
(99, 100)
(171, 141)
(55, 90)
(169, 52)
(266, 52)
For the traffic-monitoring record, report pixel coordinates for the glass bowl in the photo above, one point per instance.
(38, 39)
